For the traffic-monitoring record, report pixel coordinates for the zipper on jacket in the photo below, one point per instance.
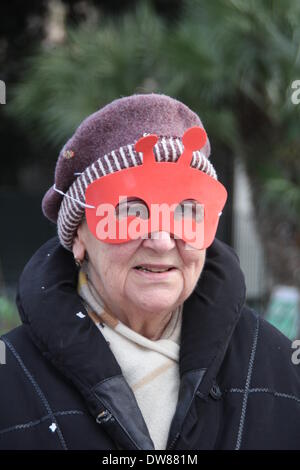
(104, 416)
(172, 445)
(189, 385)
(118, 411)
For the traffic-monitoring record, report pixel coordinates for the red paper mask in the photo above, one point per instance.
(167, 196)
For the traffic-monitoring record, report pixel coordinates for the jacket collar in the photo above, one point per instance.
(48, 303)
(211, 313)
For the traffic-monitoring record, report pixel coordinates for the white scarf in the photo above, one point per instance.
(150, 367)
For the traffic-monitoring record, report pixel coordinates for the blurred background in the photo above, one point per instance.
(235, 62)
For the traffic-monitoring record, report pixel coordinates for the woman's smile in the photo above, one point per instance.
(156, 276)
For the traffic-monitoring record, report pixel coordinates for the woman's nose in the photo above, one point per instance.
(160, 241)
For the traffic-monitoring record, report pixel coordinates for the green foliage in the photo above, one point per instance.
(232, 61)
(63, 84)
(8, 315)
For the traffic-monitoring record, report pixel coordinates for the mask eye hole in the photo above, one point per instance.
(189, 208)
(132, 206)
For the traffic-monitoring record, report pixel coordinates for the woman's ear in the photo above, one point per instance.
(78, 245)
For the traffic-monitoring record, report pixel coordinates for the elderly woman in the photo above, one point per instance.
(135, 334)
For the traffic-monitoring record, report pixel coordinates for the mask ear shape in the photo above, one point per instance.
(193, 139)
(145, 145)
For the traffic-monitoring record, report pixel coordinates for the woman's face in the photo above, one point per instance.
(112, 268)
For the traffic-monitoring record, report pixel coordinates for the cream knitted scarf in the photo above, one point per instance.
(150, 367)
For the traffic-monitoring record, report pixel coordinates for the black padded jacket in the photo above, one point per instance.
(62, 388)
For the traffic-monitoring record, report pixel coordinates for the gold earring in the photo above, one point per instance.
(78, 262)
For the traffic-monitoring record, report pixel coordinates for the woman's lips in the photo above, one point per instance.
(155, 276)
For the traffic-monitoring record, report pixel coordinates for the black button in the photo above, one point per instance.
(215, 392)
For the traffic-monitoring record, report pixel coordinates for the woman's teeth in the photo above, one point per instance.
(141, 268)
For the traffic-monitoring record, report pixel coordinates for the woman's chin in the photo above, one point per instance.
(154, 298)
(158, 304)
